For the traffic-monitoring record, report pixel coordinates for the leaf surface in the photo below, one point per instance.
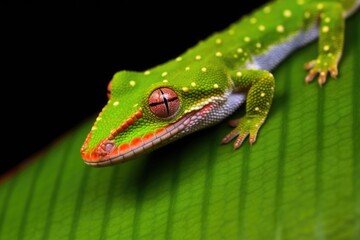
(300, 180)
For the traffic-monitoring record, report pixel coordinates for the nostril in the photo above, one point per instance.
(109, 147)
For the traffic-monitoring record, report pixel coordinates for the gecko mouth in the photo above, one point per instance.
(106, 153)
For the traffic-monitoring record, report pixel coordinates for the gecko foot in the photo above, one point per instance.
(246, 126)
(322, 66)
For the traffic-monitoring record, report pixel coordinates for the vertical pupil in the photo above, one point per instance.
(165, 101)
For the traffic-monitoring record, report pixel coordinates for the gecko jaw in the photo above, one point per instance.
(106, 153)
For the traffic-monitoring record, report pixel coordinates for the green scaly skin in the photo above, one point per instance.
(211, 80)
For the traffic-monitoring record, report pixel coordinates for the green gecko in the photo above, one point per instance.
(207, 83)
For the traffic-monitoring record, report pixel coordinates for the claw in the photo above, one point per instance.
(322, 78)
(310, 76)
(240, 139)
(252, 138)
(333, 72)
(310, 64)
(230, 136)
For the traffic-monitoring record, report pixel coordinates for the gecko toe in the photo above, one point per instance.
(239, 140)
(310, 76)
(333, 72)
(322, 78)
(230, 136)
(309, 65)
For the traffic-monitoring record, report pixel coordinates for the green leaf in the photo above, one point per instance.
(301, 179)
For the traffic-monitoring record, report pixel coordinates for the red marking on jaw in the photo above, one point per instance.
(148, 137)
(83, 148)
(106, 148)
(160, 131)
(138, 114)
(125, 125)
(124, 147)
(130, 121)
(135, 142)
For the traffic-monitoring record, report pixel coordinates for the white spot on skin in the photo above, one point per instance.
(185, 89)
(218, 41)
(326, 48)
(261, 28)
(287, 13)
(239, 50)
(247, 39)
(178, 59)
(280, 28)
(267, 104)
(325, 29)
(204, 69)
(267, 9)
(132, 83)
(218, 54)
(300, 2)
(135, 105)
(197, 57)
(98, 119)
(253, 20)
(164, 74)
(116, 103)
(193, 84)
(257, 109)
(262, 94)
(307, 14)
(147, 72)
(165, 81)
(216, 86)
(93, 128)
(239, 74)
(187, 68)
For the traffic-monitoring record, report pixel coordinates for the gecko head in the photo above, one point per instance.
(144, 112)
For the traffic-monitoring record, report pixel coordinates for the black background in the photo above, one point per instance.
(57, 59)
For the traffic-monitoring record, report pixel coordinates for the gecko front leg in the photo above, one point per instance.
(331, 39)
(260, 86)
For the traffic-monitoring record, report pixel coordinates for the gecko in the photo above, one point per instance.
(207, 83)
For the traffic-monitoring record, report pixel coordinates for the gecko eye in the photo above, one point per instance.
(108, 90)
(164, 102)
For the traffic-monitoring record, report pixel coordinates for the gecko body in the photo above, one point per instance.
(210, 81)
